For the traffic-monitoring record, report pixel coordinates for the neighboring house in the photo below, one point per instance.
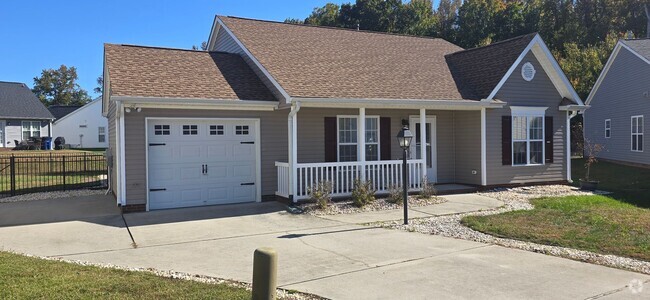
(620, 104)
(81, 126)
(272, 108)
(22, 115)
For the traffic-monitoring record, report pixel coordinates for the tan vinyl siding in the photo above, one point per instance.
(273, 132)
(518, 92)
(467, 126)
(112, 142)
(621, 96)
(311, 139)
(225, 43)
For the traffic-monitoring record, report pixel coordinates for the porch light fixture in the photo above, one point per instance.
(404, 138)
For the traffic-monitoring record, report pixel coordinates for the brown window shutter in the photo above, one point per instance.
(506, 140)
(385, 138)
(548, 139)
(330, 139)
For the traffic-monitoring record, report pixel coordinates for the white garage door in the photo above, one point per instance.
(201, 162)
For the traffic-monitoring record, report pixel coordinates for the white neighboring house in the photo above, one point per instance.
(85, 127)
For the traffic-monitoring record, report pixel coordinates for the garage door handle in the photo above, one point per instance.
(157, 190)
(248, 142)
(157, 144)
(248, 183)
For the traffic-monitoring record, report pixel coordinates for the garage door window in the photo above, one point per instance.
(161, 129)
(190, 129)
(241, 130)
(216, 130)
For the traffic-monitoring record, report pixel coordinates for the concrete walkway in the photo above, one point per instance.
(455, 204)
(326, 257)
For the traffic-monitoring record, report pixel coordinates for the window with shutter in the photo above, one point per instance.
(528, 136)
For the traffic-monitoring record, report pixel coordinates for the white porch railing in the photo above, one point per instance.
(382, 175)
(283, 179)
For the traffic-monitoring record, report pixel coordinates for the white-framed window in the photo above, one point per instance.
(528, 136)
(241, 130)
(101, 134)
(161, 130)
(347, 143)
(31, 129)
(216, 130)
(190, 129)
(608, 128)
(637, 133)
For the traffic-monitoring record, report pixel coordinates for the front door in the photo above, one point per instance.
(2, 133)
(430, 144)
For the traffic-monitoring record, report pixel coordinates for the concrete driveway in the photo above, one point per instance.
(326, 257)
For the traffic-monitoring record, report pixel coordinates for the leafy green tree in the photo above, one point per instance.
(59, 87)
(327, 15)
(293, 21)
(99, 89)
(476, 22)
(447, 19)
(417, 18)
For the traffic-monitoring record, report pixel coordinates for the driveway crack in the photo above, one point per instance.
(332, 252)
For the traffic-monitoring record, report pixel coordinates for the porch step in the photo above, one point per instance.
(453, 188)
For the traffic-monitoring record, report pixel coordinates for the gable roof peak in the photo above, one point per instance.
(335, 28)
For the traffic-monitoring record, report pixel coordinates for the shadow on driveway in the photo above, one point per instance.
(95, 209)
(202, 213)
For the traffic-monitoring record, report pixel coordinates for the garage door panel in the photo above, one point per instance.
(176, 172)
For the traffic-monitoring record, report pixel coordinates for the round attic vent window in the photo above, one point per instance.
(528, 71)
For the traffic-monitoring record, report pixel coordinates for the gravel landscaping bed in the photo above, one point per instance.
(516, 199)
(52, 195)
(281, 293)
(346, 207)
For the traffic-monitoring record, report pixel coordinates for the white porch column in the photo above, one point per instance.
(569, 115)
(293, 150)
(423, 141)
(483, 148)
(361, 141)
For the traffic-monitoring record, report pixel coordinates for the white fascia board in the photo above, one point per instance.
(573, 107)
(554, 67)
(528, 110)
(609, 64)
(266, 73)
(213, 34)
(398, 103)
(79, 109)
(512, 69)
(196, 103)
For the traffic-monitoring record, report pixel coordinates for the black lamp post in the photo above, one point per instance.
(404, 138)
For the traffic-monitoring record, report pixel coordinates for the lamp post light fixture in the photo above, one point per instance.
(404, 138)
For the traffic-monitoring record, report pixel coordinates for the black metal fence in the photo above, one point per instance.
(22, 174)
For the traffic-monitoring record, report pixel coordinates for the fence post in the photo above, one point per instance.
(85, 168)
(12, 172)
(63, 170)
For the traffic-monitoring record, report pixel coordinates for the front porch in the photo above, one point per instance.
(334, 145)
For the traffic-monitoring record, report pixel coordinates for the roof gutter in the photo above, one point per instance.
(398, 103)
(196, 103)
(574, 107)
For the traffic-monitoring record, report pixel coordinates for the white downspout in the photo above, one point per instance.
(570, 116)
(293, 149)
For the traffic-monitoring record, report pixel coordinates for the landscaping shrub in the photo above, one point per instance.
(395, 195)
(363, 193)
(321, 193)
(427, 190)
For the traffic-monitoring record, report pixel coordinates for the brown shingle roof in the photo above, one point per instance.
(174, 73)
(479, 70)
(309, 61)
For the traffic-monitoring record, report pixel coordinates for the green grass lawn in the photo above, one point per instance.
(593, 223)
(628, 184)
(24, 277)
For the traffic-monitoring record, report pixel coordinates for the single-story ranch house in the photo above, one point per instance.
(22, 115)
(619, 106)
(272, 108)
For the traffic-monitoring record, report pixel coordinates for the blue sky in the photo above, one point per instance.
(36, 35)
